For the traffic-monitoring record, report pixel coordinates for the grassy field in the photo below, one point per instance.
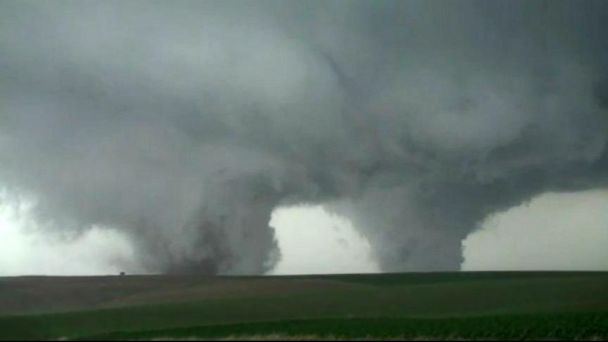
(495, 305)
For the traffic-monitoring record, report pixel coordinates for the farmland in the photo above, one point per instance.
(470, 305)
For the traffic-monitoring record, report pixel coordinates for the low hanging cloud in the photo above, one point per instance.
(184, 124)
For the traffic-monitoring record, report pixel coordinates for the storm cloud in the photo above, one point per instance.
(185, 124)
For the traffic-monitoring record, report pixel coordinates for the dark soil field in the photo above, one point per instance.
(471, 305)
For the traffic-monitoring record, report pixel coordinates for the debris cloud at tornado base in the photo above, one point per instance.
(185, 124)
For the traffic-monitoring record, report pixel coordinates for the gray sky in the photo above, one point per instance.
(182, 126)
(551, 232)
(565, 231)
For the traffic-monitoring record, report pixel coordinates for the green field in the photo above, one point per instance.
(471, 305)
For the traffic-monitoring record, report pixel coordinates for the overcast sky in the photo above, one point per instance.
(551, 232)
(177, 132)
(566, 231)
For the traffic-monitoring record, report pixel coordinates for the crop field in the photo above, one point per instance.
(467, 305)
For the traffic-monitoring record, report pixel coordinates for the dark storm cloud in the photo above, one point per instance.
(184, 124)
